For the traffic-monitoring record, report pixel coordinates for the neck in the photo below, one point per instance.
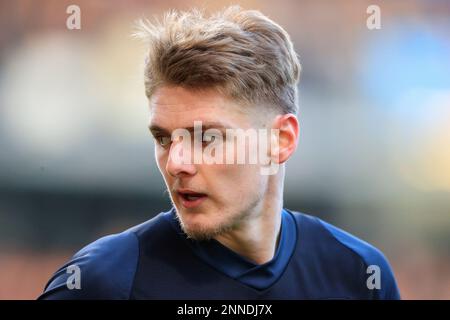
(257, 237)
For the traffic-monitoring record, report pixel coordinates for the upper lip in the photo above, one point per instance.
(190, 192)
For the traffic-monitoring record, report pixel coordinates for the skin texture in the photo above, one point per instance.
(242, 207)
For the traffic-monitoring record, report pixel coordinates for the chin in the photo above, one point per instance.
(198, 226)
(198, 231)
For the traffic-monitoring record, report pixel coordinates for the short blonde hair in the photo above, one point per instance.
(242, 53)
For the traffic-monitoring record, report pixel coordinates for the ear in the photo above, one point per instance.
(285, 142)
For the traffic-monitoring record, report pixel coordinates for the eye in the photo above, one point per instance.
(208, 138)
(163, 141)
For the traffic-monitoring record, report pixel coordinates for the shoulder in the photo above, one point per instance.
(347, 253)
(104, 269)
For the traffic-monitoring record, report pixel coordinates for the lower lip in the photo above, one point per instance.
(192, 203)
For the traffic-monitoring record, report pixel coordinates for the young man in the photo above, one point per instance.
(211, 83)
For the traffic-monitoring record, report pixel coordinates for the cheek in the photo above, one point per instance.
(232, 181)
(161, 160)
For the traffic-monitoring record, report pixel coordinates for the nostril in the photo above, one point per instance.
(178, 167)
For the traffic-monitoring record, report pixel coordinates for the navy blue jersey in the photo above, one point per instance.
(155, 260)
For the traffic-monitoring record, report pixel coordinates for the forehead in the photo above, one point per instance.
(177, 107)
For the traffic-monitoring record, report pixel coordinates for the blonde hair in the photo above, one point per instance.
(241, 53)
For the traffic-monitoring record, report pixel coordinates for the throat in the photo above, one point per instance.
(257, 245)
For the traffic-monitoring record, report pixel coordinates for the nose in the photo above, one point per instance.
(180, 161)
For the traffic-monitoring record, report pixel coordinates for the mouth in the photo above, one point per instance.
(191, 199)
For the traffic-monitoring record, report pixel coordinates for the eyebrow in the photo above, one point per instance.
(155, 129)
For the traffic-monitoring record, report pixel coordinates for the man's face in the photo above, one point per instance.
(210, 199)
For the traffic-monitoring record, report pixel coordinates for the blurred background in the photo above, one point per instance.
(76, 158)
